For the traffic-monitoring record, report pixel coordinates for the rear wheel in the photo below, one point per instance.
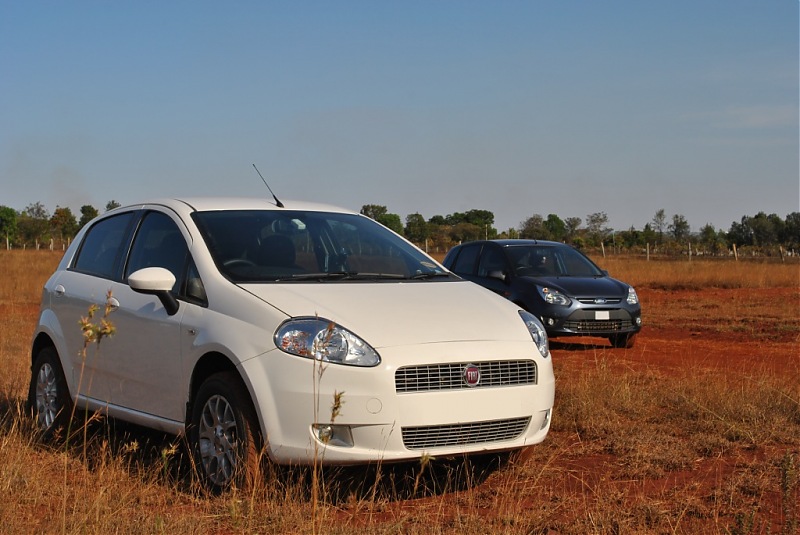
(224, 434)
(622, 340)
(48, 396)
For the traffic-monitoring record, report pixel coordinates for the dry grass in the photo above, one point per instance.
(632, 449)
(703, 274)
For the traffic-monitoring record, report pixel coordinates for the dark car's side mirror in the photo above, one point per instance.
(155, 281)
(497, 274)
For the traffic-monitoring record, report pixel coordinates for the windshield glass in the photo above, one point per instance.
(272, 245)
(551, 261)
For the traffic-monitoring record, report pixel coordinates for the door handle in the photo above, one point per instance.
(59, 290)
(113, 304)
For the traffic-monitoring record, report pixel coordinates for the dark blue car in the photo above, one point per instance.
(555, 282)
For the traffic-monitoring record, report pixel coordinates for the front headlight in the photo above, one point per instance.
(553, 297)
(324, 340)
(632, 297)
(537, 332)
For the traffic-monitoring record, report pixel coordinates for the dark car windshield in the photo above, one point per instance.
(551, 261)
(271, 245)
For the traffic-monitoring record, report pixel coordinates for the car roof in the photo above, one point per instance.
(203, 204)
(518, 242)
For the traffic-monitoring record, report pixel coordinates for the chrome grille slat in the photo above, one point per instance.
(433, 377)
(440, 436)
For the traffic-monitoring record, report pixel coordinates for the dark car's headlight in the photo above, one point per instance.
(537, 332)
(632, 297)
(324, 340)
(553, 297)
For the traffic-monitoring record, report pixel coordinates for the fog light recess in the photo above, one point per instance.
(333, 435)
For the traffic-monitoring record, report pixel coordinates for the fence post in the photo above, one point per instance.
(648, 251)
(735, 253)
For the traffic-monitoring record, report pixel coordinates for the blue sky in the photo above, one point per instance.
(518, 107)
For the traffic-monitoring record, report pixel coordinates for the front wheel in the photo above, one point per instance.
(48, 396)
(622, 340)
(224, 434)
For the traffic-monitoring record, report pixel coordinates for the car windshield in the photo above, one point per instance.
(272, 245)
(551, 261)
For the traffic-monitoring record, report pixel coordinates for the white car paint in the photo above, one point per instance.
(143, 373)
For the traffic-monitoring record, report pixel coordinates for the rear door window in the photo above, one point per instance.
(102, 248)
(465, 263)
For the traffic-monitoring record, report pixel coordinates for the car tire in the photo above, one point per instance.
(224, 434)
(622, 340)
(49, 401)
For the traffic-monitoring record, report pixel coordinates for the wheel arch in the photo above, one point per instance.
(41, 341)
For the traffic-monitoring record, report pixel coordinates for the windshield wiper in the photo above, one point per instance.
(339, 275)
(429, 275)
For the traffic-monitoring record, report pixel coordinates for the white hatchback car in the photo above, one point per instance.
(241, 323)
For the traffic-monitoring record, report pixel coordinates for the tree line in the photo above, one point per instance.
(35, 226)
(762, 234)
(758, 234)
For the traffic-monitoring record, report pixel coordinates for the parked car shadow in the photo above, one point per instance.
(165, 459)
(578, 344)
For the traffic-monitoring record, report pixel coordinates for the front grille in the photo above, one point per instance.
(605, 301)
(440, 436)
(450, 376)
(595, 326)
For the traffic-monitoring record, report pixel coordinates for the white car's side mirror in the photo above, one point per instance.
(155, 281)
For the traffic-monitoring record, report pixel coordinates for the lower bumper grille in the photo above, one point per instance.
(598, 326)
(439, 436)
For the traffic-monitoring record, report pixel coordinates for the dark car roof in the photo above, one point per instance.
(511, 243)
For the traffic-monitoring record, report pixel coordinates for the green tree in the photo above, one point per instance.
(373, 211)
(63, 223)
(791, 231)
(679, 228)
(712, 240)
(660, 223)
(8, 223)
(648, 235)
(555, 227)
(88, 212)
(391, 221)
(33, 224)
(572, 225)
(110, 205)
(596, 227)
(416, 228)
(533, 228)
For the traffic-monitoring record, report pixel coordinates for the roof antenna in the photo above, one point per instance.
(277, 202)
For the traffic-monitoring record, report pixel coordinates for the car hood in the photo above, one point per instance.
(392, 314)
(584, 286)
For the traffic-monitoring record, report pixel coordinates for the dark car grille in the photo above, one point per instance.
(599, 301)
(439, 436)
(451, 376)
(595, 326)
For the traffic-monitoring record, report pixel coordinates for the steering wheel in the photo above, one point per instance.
(233, 262)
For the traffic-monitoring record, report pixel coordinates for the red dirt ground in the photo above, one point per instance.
(666, 350)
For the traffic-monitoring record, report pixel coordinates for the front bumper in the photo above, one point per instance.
(388, 422)
(593, 322)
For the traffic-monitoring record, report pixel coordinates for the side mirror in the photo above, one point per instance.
(497, 274)
(155, 281)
